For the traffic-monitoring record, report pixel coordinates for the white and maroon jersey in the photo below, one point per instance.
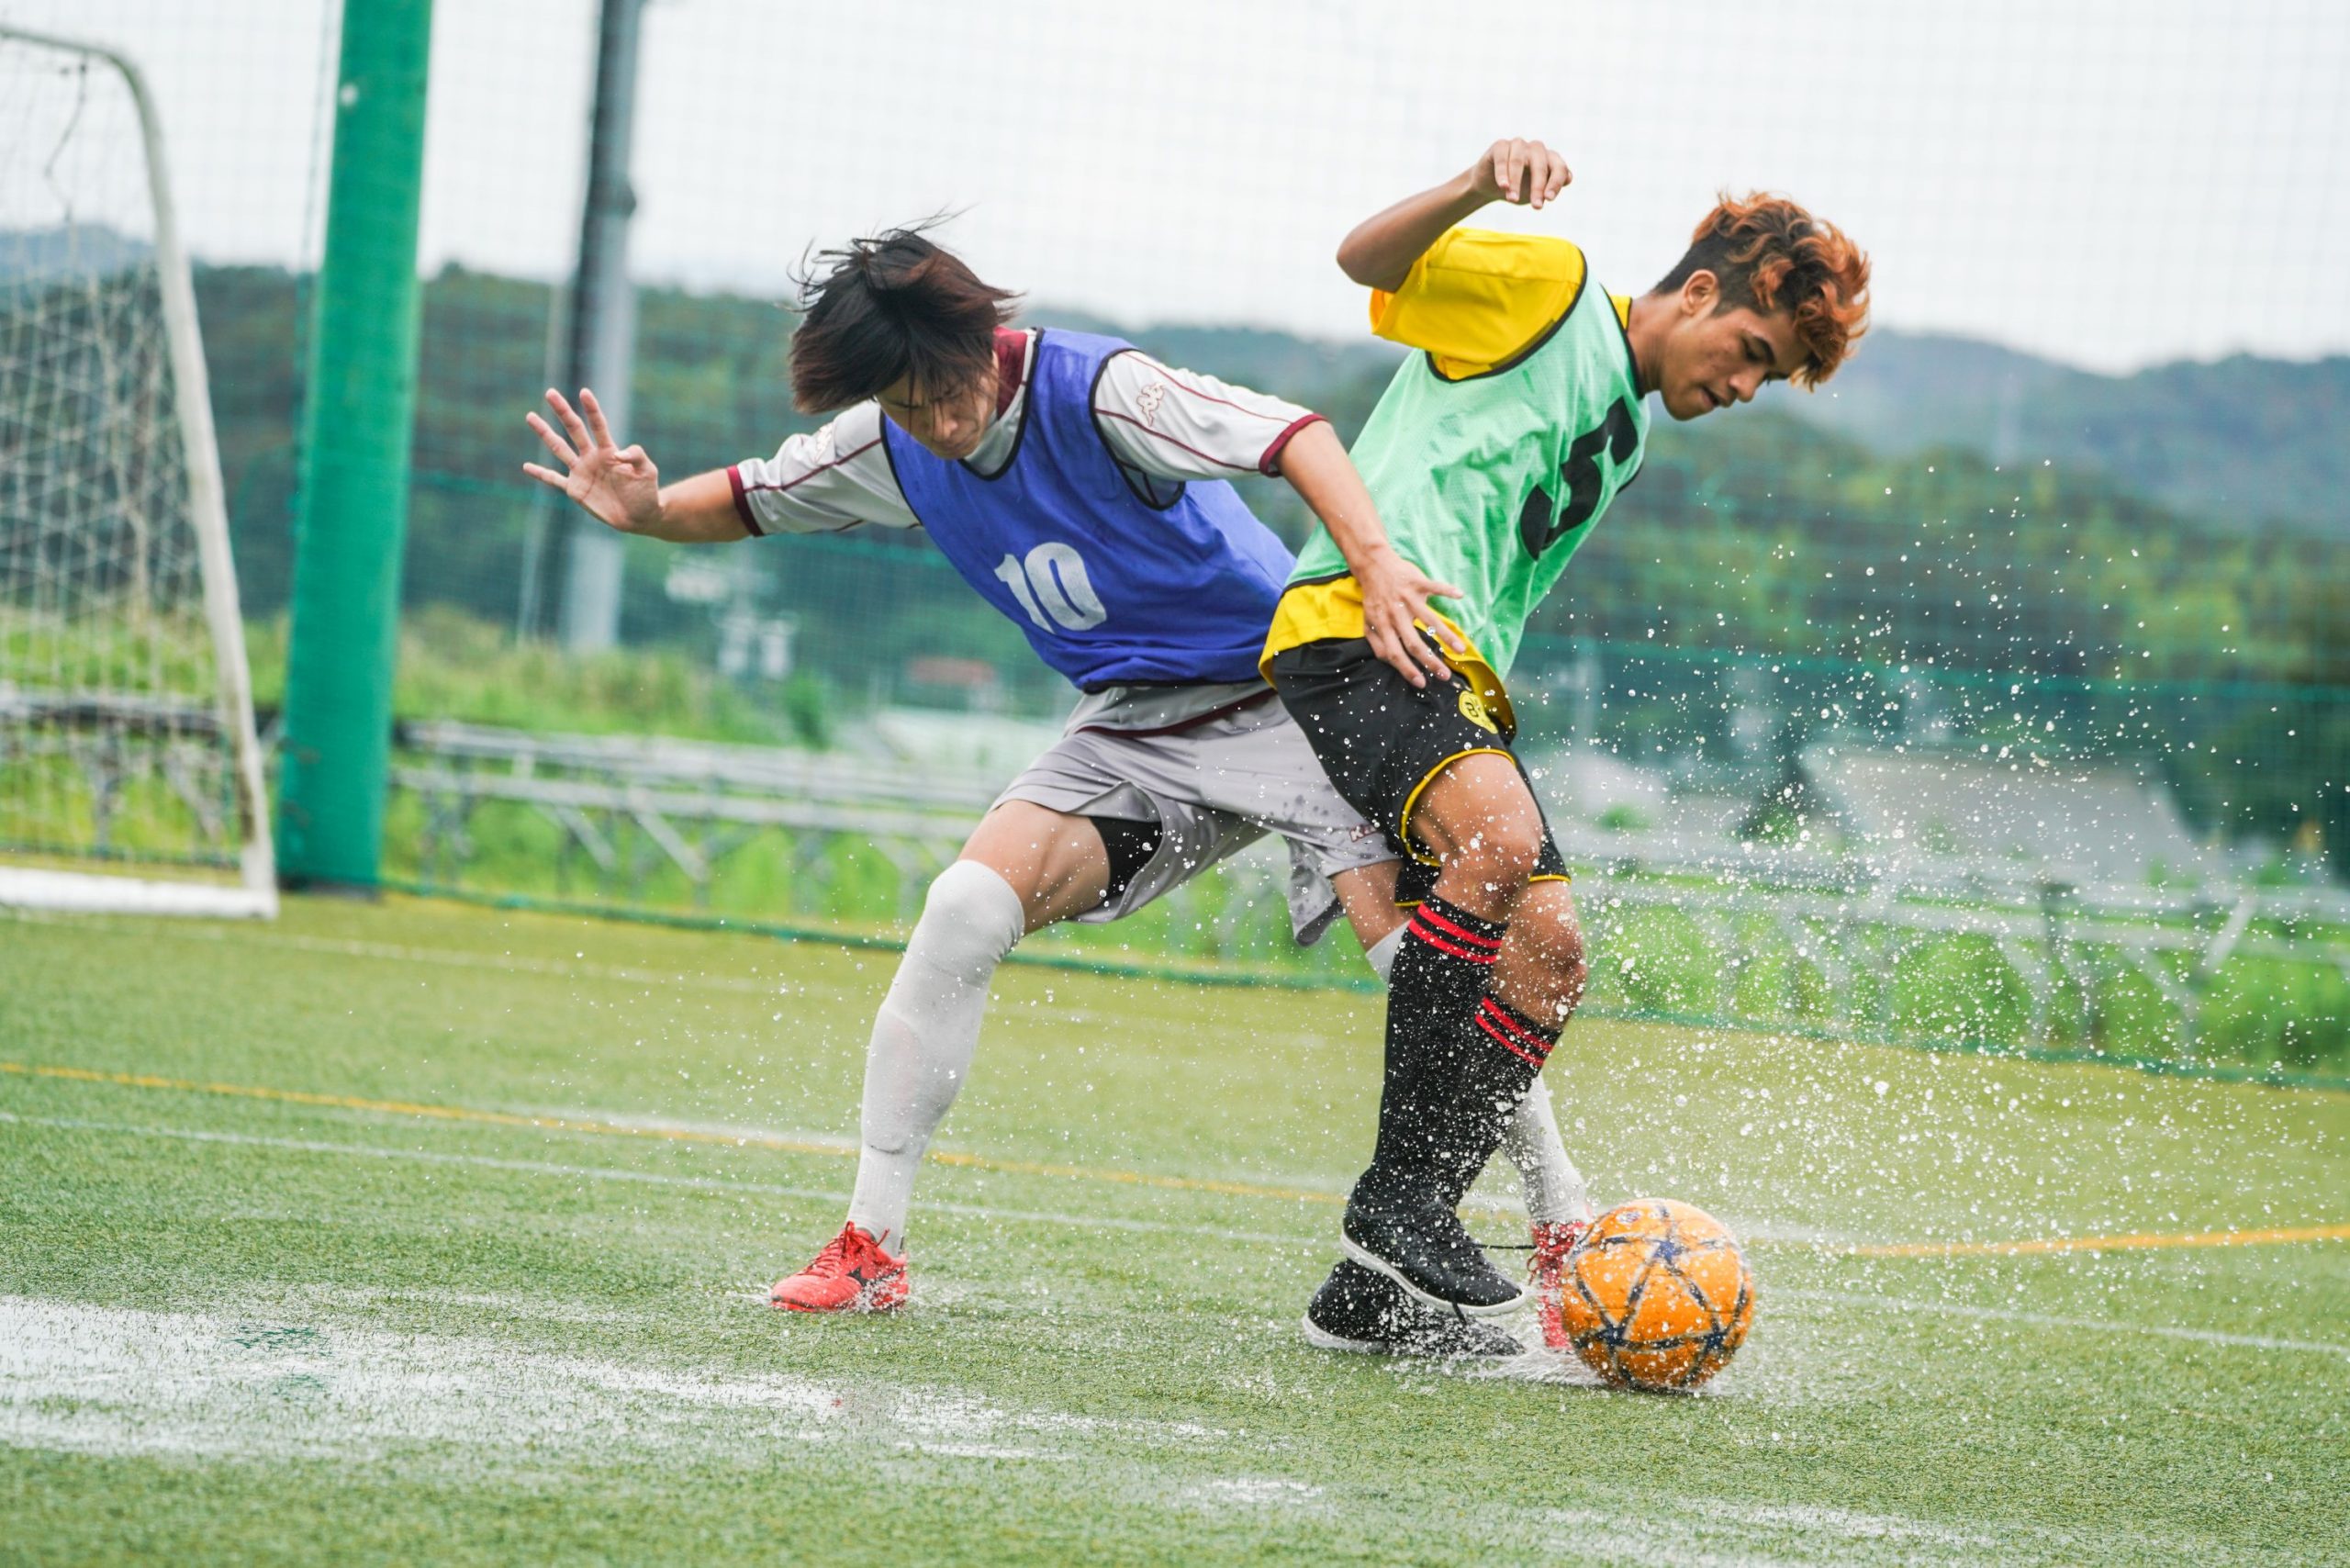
(1161, 425)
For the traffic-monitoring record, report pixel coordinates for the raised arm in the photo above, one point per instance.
(619, 488)
(1380, 250)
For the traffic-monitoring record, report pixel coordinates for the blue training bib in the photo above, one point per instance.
(1110, 590)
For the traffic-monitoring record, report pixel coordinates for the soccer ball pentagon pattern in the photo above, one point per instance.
(1658, 1296)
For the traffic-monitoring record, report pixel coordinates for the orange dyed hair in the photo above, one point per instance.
(1768, 252)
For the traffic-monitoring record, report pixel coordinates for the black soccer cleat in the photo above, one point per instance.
(1368, 1314)
(1425, 1249)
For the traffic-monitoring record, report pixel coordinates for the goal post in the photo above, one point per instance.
(130, 768)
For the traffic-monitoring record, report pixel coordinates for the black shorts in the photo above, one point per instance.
(1129, 845)
(1383, 741)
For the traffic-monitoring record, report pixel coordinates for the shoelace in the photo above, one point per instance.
(1523, 1246)
(835, 1254)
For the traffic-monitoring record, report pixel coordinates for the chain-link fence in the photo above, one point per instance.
(1998, 692)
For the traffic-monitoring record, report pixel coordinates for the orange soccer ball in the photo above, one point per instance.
(1658, 1296)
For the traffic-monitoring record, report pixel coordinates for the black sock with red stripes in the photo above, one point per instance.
(1441, 971)
(1503, 1055)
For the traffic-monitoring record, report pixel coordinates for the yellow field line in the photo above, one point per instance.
(662, 1134)
(466, 1114)
(2275, 1238)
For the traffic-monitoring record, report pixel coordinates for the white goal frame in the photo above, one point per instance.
(255, 896)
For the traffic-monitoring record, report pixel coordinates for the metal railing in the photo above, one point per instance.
(627, 808)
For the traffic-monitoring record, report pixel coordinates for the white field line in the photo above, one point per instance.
(1716, 1532)
(1708, 1533)
(1499, 1204)
(579, 968)
(450, 957)
(506, 1304)
(1705, 1532)
(739, 1133)
(243, 1383)
(1276, 1185)
(1694, 1532)
(1534, 1368)
(595, 1120)
(119, 1380)
(2051, 1320)
(1251, 1492)
(660, 1179)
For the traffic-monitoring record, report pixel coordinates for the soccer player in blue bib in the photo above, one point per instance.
(1077, 486)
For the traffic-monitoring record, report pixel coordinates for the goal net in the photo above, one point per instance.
(130, 775)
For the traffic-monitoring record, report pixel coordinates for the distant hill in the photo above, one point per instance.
(1340, 379)
(2244, 442)
(1760, 531)
(81, 250)
(2243, 445)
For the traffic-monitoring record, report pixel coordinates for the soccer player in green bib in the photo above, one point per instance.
(1493, 452)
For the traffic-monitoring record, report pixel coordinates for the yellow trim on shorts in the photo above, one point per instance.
(1326, 611)
(1331, 611)
(1404, 817)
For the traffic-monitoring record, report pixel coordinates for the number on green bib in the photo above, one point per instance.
(1619, 436)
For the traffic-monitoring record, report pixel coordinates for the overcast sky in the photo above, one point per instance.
(2110, 181)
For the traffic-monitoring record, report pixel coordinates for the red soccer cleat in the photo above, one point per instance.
(1552, 1244)
(851, 1274)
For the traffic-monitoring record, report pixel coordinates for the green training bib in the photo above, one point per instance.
(1492, 481)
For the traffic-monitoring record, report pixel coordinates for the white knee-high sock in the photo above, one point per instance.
(1554, 1188)
(924, 1036)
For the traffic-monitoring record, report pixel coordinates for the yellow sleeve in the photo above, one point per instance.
(1476, 298)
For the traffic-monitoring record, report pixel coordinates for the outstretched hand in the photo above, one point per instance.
(617, 485)
(1520, 171)
(1394, 595)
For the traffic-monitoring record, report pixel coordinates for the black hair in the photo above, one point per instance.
(891, 307)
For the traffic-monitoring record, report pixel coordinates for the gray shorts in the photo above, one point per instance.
(1215, 786)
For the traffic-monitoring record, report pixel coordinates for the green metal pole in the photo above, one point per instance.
(354, 516)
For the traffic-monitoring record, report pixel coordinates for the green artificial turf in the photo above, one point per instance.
(255, 1327)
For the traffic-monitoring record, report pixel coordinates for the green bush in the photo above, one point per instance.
(1959, 988)
(456, 666)
(2265, 1011)
(2130, 1017)
(2260, 1011)
(1657, 960)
